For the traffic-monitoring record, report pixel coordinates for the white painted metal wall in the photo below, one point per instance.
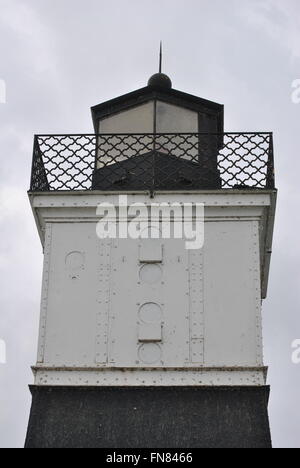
(129, 312)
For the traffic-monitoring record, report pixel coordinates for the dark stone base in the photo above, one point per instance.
(149, 417)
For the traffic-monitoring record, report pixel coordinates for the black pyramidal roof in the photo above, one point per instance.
(168, 95)
(156, 171)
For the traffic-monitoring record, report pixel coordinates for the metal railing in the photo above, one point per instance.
(152, 162)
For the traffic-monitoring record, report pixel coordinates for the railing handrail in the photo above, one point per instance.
(63, 135)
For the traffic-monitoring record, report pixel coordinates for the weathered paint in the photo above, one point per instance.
(154, 377)
(210, 299)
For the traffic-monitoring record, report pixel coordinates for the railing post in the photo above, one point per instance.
(271, 170)
(33, 163)
(39, 180)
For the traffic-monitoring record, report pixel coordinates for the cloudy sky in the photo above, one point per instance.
(60, 57)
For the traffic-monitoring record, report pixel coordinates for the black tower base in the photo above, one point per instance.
(149, 417)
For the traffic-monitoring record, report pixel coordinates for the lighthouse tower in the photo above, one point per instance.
(145, 341)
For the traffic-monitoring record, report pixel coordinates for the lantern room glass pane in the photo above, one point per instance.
(139, 119)
(173, 120)
(134, 121)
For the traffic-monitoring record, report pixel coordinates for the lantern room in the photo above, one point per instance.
(158, 134)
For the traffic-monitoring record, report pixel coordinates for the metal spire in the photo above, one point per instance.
(160, 57)
(160, 79)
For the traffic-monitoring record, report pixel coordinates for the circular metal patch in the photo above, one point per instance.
(150, 353)
(75, 261)
(150, 313)
(151, 274)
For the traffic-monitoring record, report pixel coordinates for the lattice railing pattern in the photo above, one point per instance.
(68, 162)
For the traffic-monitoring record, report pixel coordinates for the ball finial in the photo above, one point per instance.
(160, 80)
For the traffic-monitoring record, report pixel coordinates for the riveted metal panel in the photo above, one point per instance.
(230, 314)
(197, 350)
(151, 376)
(151, 251)
(112, 300)
(255, 248)
(45, 291)
(103, 309)
(176, 304)
(123, 307)
(72, 298)
(196, 306)
(150, 332)
(135, 284)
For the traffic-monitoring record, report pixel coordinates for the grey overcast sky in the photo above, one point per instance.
(60, 57)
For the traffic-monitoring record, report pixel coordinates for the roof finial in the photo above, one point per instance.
(160, 80)
(160, 57)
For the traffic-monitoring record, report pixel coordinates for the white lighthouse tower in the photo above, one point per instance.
(144, 342)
